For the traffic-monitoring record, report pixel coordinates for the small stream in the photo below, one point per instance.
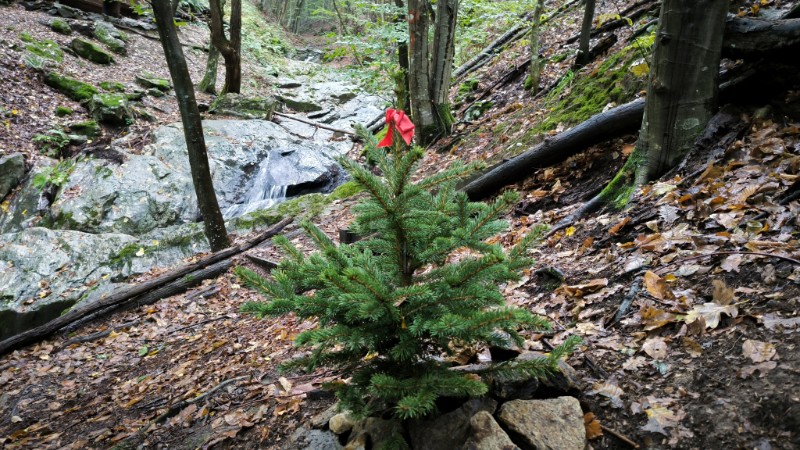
(264, 193)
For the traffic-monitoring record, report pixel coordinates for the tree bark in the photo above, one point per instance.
(230, 48)
(683, 84)
(192, 126)
(422, 109)
(401, 79)
(535, 69)
(442, 63)
(746, 38)
(586, 33)
(209, 82)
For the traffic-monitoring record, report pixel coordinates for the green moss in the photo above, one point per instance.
(62, 111)
(112, 86)
(72, 88)
(619, 190)
(91, 51)
(306, 206)
(558, 58)
(149, 81)
(124, 255)
(346, 190)
(88, 128)
(60, 26)
(46, 48)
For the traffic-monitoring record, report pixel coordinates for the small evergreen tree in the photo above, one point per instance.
(389, 306)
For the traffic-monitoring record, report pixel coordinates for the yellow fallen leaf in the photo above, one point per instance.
(569, 231)
(640, 70)
(140, 252)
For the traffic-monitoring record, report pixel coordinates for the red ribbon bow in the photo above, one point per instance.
(397, 120)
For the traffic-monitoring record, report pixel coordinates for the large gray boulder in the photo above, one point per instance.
(12, 169)
(44, 271)
(552, 424)
(249, 158)
(134, 197)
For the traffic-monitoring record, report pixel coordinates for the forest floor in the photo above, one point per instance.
(706, 355)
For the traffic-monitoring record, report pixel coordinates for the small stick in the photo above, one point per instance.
(619, 436)
(98, 335)
(692, 258)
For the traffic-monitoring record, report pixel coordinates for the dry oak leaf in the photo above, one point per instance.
(758, 351)
(723, 295)
(711, 313)
(659, 418)
(610, 391)
(653, 318)
(762, 369)
(657, 286)
(656, 347)
(592, 425)
(579, 290)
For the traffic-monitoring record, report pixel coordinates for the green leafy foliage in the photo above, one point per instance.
(389, 306)
(57, 175)
(52, 142)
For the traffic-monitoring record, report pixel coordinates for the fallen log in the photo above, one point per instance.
(125, 294)
(622, 119)
(626, 17)
(771, 39)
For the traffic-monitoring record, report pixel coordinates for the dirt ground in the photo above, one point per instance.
(705, 355)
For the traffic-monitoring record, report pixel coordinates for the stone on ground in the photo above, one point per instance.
(552, 424)
(487, 434)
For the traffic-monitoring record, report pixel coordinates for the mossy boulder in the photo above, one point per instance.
(299, 105)
(112, 86)
(60, 26)
(240, 106)
(88, 128)
(136, 95)
(91, 51)
(148, 81)
(72, 88)
(62, 111)
(46, 48)
(109, 35)
(112, 109)
(153, 92)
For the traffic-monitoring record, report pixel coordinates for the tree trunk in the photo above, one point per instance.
(442, 63)
(192, 126)
(422, 108)
(586, 33)
(682, 90)
(209, 82)
(535, 72)
(230, 48)
(401, 79)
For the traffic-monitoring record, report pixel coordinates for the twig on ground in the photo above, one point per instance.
(619, 436)
(692, 258)
(98, 335)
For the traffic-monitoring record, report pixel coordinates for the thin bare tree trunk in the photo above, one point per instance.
(192, 126)
(535, 70)
(230, 48)
(442, 62)
(586, 33)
